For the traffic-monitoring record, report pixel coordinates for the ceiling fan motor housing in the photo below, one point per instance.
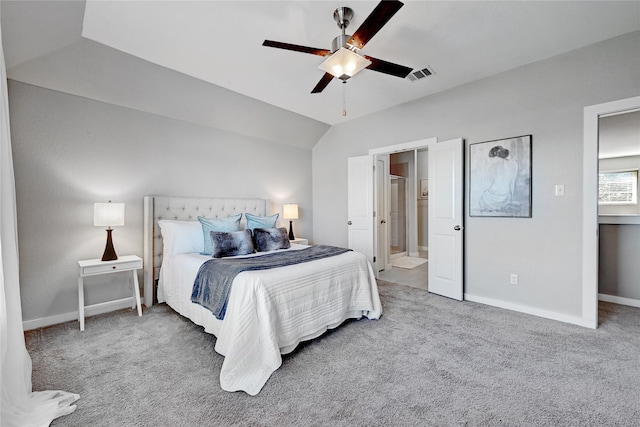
(343, 16)
(341, 41)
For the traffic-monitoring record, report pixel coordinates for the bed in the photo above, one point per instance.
(269, 312)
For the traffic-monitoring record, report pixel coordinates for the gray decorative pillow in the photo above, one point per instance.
(225, 244)
(230, 223)
(270, 239)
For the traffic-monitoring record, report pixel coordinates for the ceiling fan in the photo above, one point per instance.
(343, 61)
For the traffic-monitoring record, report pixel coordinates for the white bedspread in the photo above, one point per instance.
(271, 311)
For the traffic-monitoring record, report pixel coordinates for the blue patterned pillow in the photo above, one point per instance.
(254, 221)
(231, 244)
(230, 223)
(270, 239)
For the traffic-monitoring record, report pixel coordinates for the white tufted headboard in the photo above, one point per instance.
(184, 209)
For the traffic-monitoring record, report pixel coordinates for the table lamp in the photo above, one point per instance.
(290, 212)
(108, 215)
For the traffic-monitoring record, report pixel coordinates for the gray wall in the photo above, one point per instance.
(619, 269)
(70, 152)
(545, 99)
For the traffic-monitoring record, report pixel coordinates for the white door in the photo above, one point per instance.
(360, 205)
(393, 213)
(445, 218)
(381, 216)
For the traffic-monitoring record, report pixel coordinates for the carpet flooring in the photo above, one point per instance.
(428, 361)
(417, 277)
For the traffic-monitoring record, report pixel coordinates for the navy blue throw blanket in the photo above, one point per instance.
(212, 286)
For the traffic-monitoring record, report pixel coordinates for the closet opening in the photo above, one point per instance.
(595, 118)
(618, 207)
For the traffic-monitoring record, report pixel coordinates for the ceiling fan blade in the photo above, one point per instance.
(324, 81)
(387, 67)
(297, 48)
(374, 22)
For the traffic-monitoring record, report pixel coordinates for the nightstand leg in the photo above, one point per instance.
(136, 291)
(81, 303)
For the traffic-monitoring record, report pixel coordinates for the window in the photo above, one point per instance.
(618, 187)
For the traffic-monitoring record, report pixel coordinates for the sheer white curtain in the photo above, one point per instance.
(19, 405)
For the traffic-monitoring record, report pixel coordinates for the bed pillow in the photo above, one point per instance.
(224, 244)
(254, 221)
(180, 237)
(270, 239)
(228, 224)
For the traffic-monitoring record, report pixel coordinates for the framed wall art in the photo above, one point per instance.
(500, 178)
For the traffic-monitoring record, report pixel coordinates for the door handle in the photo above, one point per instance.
(349, 223)
(457, 228)
(383, 221)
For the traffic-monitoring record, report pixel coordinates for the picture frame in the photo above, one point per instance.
(500, 178)
(423, 192)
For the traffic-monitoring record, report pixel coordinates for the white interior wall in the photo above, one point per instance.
(545, 99)
(70, 152)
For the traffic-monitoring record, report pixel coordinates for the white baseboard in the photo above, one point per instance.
(414, 254)
(587, 323)
(101, 308)
(619, 300)
(423, 248)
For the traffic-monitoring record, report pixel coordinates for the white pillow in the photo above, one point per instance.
(181, 237)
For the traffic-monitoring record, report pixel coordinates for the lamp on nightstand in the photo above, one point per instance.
(108, 215)
(290, 212)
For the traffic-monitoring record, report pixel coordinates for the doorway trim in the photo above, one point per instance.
(391, 149)
(592, 114)
(381, 206)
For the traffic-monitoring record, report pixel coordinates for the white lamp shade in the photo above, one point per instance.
(344, 62)
(290, 211)
(108, 214)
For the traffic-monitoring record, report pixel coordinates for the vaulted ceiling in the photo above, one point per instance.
(214, 48)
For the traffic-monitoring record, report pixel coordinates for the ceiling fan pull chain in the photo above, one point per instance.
(344, 98)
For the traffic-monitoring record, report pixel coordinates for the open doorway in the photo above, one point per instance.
(445, 213)
(406, 264)
(398, 216)
(590, 222)
(618, 208)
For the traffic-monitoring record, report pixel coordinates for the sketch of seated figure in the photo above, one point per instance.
(502, 176)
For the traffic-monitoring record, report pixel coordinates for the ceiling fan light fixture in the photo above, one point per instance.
(344, 63)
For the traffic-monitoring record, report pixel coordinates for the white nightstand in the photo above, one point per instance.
(300, 241)
(95, 267)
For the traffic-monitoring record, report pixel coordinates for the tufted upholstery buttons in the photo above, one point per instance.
(189, 208)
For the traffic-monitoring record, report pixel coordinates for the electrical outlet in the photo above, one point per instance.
(514, 279)
(560, 190)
